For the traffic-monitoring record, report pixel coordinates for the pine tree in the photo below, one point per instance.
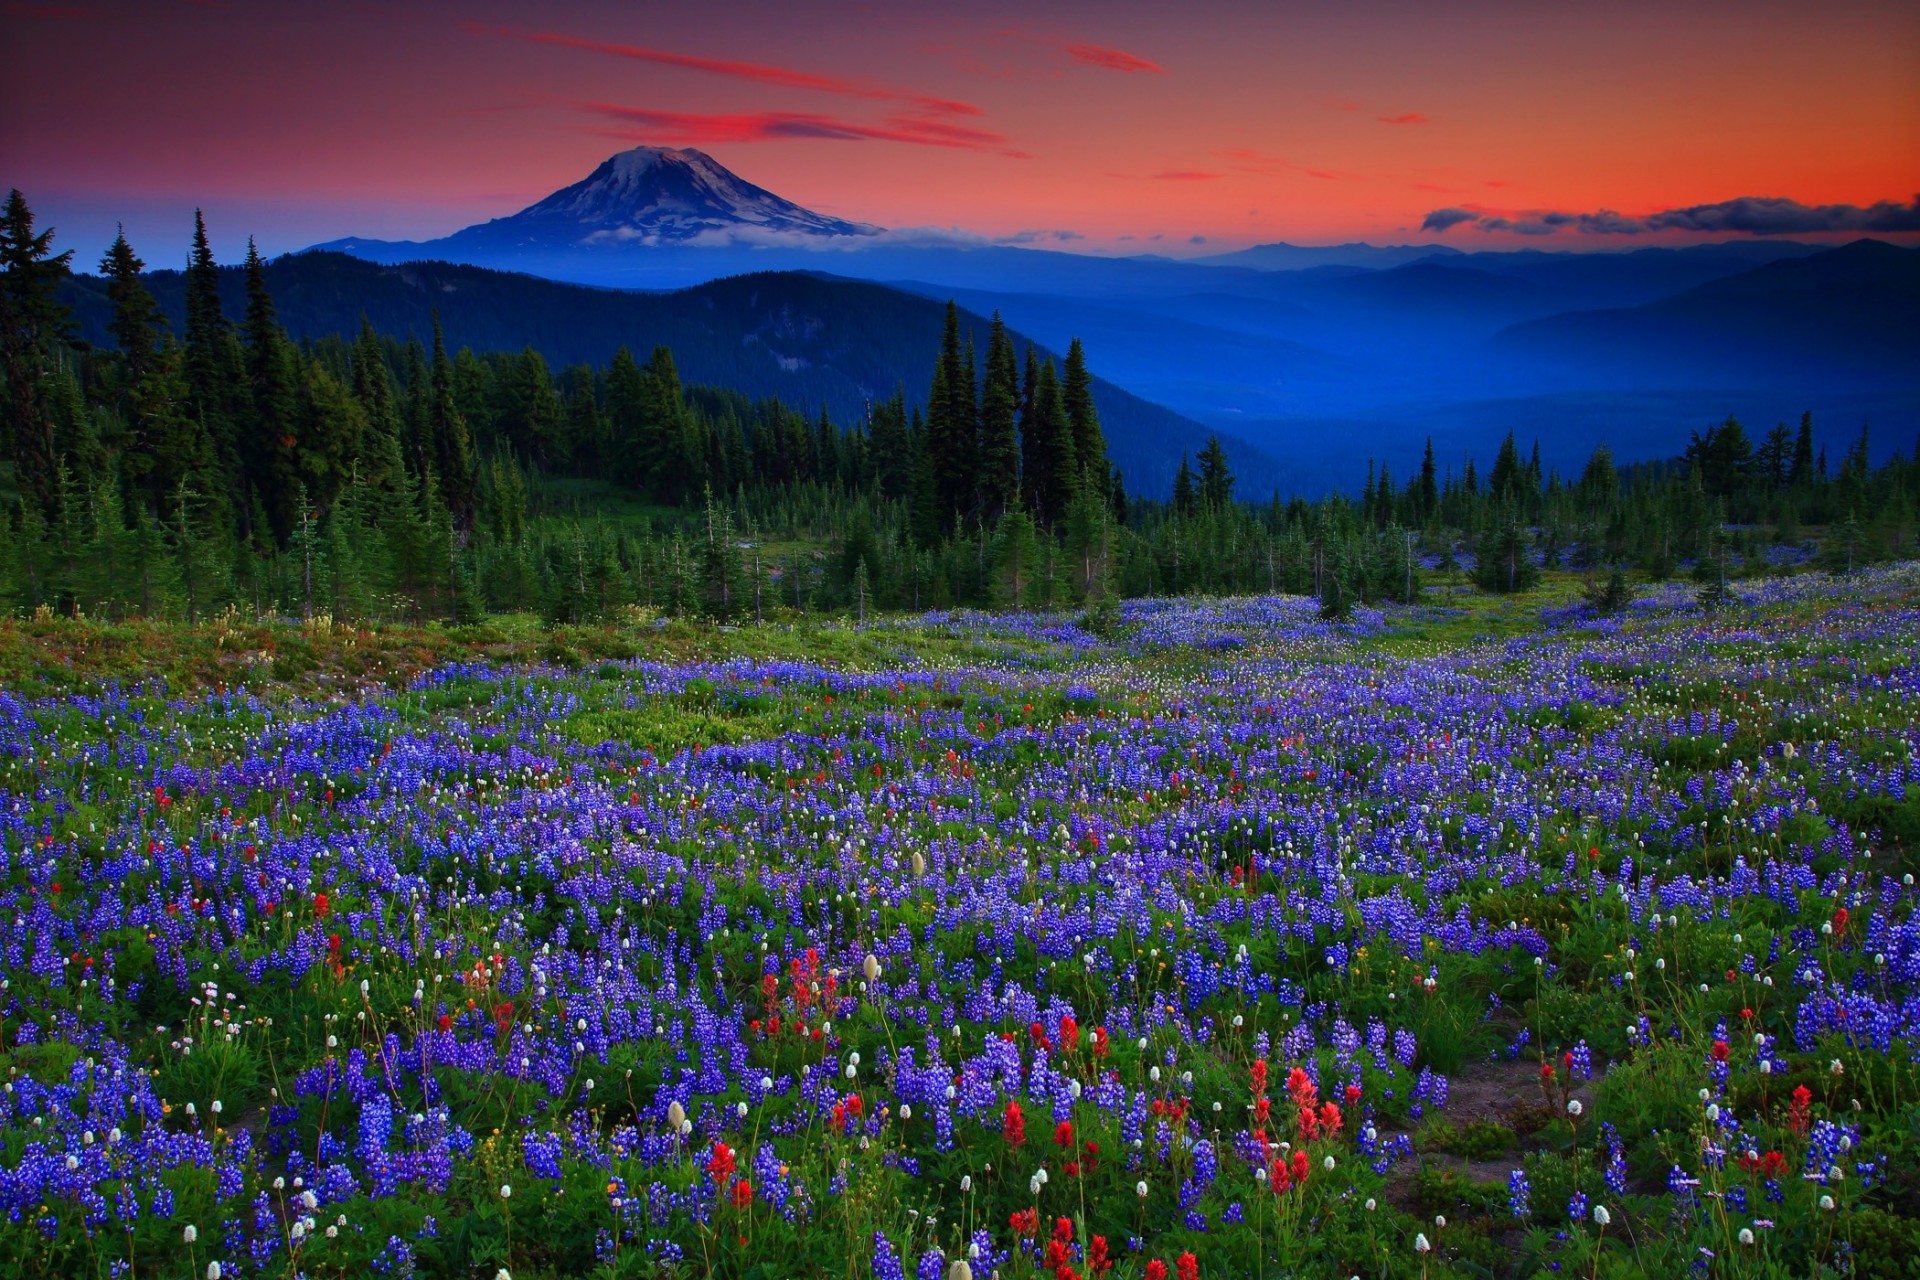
(452, 446)
(1505, 481)
(373, 391)
(999, 430)
(1429, 487)
(267, 446)
(1801, 472)
(1216, 481)
(136, 318)
(35, 329)
(1088, 543)
(889, 448)
(332, 433)
(1016, 560)
(673, 466)
(193, 525)
(953, 425)
(1186, 499)
(1505, 558)
(1050, 449)
(533, 416)
(215, 369)
(720, 568)
(1076, 396)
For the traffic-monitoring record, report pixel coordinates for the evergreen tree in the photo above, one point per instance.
(1429, 487)
(1216, 481)
(1507, 475)
(267, 445)
(214, 369)
(1017, 561)
(1599, 481)
(35, 329)
(953, 424)
(1076, 396)
(1186, 499)
(137, 320)
(999, 431)
(1050, 453)
(332, 430)
(1801, 472)
(721, 576)
(380, 450)
(1505, 558)
(889, 448)
(452, 447)
(1774, 459)
(1088, 544)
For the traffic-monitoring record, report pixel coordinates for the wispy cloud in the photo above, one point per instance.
(1405, 117)
(1250, 160)
(1040, 237)
(1749, 215)
(1185, 175)
(754, 72)
(1096, 55)
(648, 125)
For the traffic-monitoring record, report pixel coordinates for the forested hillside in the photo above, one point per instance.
(219, 463)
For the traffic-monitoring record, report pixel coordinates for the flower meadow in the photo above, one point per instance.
(1237, 943)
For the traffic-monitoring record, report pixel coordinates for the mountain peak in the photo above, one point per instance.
(661, 195)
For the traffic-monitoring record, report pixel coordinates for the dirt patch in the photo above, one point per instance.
(1505, 1093)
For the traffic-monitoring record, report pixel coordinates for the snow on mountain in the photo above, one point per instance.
(656, 195)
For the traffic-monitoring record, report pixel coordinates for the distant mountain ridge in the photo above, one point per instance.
(1851, 312)
(1282, 256)
(1320, 355)
(812, 340)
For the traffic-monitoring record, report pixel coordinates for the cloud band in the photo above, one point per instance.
(1748, 215)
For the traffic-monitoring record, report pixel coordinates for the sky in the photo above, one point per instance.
(1112, 127)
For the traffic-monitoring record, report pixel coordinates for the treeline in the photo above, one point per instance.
(386, 477)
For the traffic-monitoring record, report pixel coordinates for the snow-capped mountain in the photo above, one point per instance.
(652, 195)
(642, 198)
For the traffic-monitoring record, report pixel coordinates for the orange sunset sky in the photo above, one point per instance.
(1111, 127)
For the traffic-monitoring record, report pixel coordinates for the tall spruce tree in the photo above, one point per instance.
(36, 330)
(999, 428)
(1429, 484)
(165, 445)
(215, 369)
(272, 433)
(452, 446)
(1801, 472)
(1057, 468)
(1216, 481)
(953, 424)
(1076, 397)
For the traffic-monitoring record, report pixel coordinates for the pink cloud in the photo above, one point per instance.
(766, 126)
(1409, 117)
(1112, 59)
(1249, 160)
(758, 73)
